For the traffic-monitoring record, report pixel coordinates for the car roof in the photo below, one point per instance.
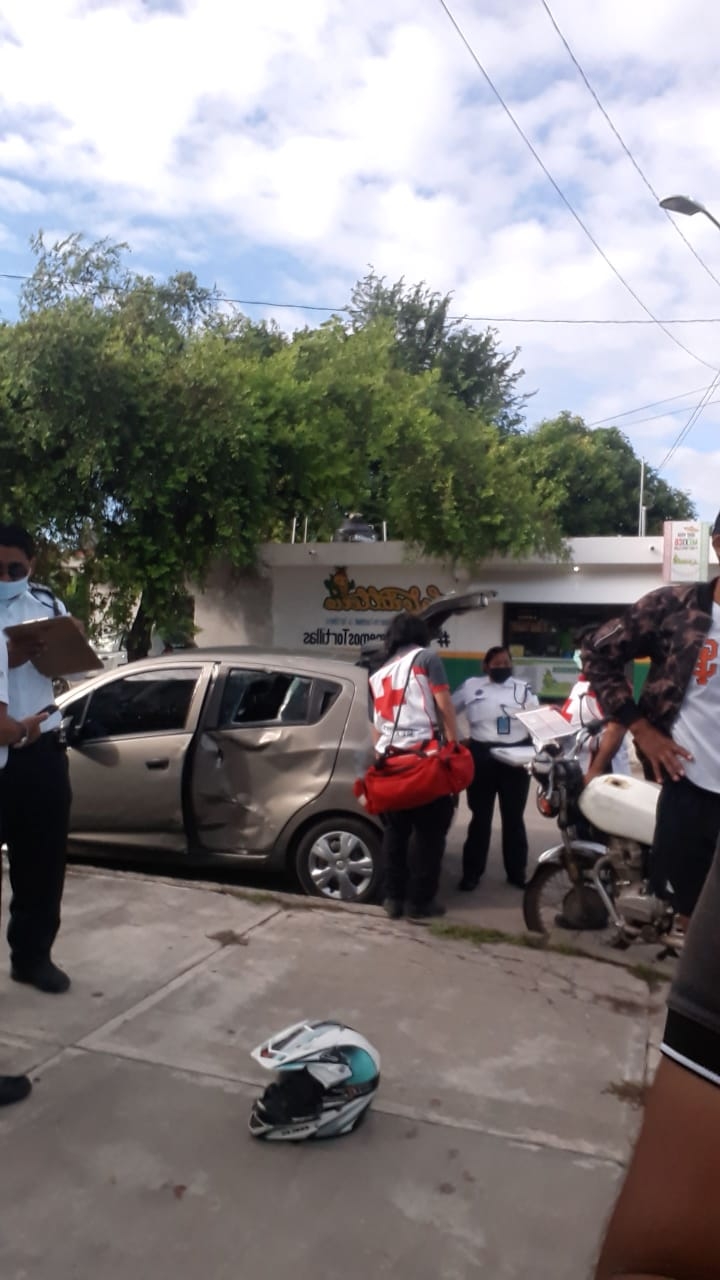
(230, 653)
(236, 653)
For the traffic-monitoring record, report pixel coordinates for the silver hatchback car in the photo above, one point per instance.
(232, 753)
(227, 753)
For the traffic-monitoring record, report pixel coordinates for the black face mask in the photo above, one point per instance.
(499, 675)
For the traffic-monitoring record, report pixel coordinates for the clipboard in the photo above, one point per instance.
(66, 651)
(546, 724)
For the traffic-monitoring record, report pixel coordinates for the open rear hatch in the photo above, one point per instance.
(436, 615)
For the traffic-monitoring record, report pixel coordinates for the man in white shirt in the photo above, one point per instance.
(16, 734)
(490, 703)
(35, 786)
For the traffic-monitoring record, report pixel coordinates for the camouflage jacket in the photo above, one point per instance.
(668, 626)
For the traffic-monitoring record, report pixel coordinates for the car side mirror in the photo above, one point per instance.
(70, 731)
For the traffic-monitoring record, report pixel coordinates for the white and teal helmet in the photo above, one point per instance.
(327, 1076)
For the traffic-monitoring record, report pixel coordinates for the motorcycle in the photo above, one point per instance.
(596, 877)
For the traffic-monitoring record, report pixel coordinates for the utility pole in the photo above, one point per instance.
(642, 509)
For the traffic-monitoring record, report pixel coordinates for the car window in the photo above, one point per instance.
(273, 697)
(144, 702)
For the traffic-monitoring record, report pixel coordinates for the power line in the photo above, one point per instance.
(696, 413)
(548, 320)
(655, 417)
(559, 191)
(653, 404)
(641, 173)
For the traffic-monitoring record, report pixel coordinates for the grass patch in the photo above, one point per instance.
(479, 937)
(487, 937)
(255, 896)
(470, 933)
(645, 973)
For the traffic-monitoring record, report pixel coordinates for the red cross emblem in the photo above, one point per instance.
(390, 699)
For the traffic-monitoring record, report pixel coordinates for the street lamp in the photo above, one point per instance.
(684, 204)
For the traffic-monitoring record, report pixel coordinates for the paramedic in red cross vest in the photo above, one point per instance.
(411, 704)
(675, 723)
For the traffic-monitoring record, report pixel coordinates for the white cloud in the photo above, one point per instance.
(340, 135)
(699, 474)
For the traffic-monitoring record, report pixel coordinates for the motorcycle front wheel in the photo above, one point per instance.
(552, 901)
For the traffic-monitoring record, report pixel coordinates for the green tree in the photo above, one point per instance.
(351, 429)
(470, 364)
(146, 429)
(120, 430)
(589, 480)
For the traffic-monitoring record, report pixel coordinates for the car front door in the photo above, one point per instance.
(267, 750)
(128, 742)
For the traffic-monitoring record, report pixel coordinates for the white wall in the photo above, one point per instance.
(234, 608)
(286, 604)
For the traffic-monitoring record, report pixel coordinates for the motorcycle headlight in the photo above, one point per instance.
(548, 805)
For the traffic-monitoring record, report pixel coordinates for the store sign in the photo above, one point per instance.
(352, 613)
(344, 593)
(686, 551)
(550, 678)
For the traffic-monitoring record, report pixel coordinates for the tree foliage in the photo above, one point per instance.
(470, 364)
(150, 433)
(590, 480)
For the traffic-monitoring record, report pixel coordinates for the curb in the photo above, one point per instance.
(655, 973)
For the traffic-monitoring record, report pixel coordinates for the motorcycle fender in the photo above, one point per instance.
(583, 850)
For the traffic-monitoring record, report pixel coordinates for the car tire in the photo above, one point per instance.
(339, 859)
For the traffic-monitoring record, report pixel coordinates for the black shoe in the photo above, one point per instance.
(516, 882)
(45, 976)
(13, 1089)
(393, 908)
(467, 884)
(428, 911)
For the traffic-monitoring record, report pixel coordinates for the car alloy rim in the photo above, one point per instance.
(341, 865)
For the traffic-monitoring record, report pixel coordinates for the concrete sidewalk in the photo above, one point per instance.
(494, 1148)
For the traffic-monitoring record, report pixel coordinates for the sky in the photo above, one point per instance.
(280, 149)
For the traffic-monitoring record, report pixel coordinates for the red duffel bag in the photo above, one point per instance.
(408, 779)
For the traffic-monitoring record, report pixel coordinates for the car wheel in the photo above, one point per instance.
(339, 859)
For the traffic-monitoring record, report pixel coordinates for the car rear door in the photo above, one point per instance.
(266, 749)
(129, 738)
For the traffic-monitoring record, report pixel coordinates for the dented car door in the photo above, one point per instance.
(266, 749)
(129, 737)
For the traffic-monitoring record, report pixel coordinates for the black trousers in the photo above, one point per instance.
(34, 819)
(413, 848)
(510, 786)
(686, 836)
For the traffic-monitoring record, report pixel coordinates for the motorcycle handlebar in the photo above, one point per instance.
(549, 753)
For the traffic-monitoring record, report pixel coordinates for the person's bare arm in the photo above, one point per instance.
(12, 731)
(665, 1225)
(610, 743)
(446, 709)
(666, 757)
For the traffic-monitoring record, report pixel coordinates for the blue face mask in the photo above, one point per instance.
(9, 590)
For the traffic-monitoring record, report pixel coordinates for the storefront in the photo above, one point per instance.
(543, 638)
(330, 599)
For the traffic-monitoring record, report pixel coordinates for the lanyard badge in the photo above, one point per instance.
(502, 724)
